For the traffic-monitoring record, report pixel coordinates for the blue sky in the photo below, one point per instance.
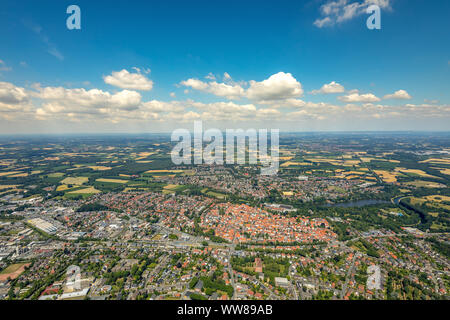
(48, 71)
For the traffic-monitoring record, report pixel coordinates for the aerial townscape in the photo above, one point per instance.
(224, 159)
(347, 217)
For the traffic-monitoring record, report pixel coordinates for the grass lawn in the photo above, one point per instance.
(13, 271)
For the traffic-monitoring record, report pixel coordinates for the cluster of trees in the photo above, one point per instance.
(441, 247)
(275, 268)
(407, 289)
(427, 220)
(9, 217)
(342, 230)
(152, 219)
(198, 231)
(197, 296)
(111, 278)
(365, 218)
(367, 247)
(91, 207)
(323, 295)
(39, 285)
(243, 264)
(214, 283)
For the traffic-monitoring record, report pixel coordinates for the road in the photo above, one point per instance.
(349, 273)
(230, 271)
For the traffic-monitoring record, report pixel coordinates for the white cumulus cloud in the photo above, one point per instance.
(277, 87)
(356, 97)
(400, 94)
(62, 100)
(13, 100)
(230, 91)
(332, 87)
(338, 11)
(126, 80)
(10, 94)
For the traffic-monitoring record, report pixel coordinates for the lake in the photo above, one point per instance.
(360, 203)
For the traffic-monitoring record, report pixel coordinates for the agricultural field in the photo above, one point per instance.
(437, 198)
(75, 180)
(13, 271)
(386, 176)
(415, 172)
(99, 168)
(112, 180)
(444, 171)
(294, 163)
(56, 175)
(172, 188)
(63, 187)
(90, 190)
(18, 175)
(2, 187)
(9, 173)
(433, 203)
(214, 194)
(424, 184)
(286, 158)
(437, 161)
(164, 171)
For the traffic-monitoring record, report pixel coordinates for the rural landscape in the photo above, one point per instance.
(349, 216)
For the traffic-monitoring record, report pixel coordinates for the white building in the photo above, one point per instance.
(281, 282)
(374, 279)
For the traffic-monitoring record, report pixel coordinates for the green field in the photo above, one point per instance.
(75, 180)
(56, 175)
(12, 268)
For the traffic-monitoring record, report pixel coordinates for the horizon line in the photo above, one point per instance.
(169, 132)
